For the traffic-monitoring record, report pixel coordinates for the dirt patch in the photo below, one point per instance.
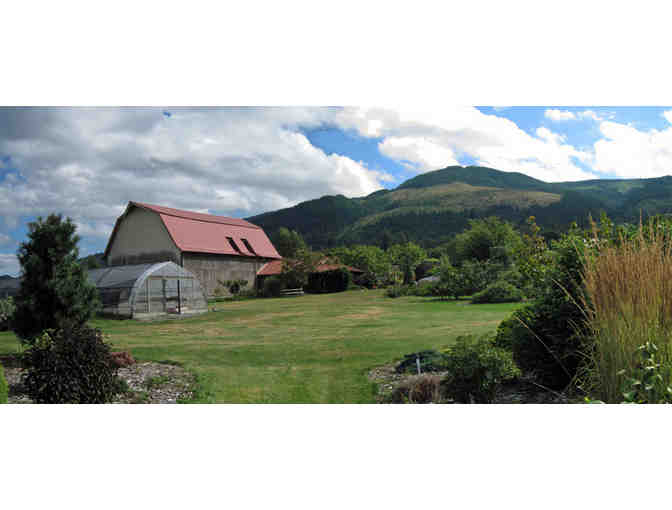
(265, 317)
(148, 383)
(366, 314)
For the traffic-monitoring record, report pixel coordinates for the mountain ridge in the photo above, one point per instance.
(433, 206)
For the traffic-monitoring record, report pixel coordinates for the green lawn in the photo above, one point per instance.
(310, 349)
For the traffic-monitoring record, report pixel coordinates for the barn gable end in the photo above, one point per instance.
(140, 237)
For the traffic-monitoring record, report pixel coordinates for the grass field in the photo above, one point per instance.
(310, 349)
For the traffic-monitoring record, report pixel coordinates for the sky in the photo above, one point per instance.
(88, 163)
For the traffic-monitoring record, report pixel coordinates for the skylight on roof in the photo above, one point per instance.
(248, 246)
(233, 244)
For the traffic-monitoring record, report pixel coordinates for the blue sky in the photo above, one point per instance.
(87, 163)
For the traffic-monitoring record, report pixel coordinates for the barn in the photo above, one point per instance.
(213, 248)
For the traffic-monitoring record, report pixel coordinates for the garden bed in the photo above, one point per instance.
(523, 391)
(148, 383)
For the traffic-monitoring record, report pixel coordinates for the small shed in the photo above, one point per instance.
(143, 291)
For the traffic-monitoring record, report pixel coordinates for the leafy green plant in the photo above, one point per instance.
(498, 292)
(71, 366)
(476, 370)
(7, 309)
(4, 387)
(648, 383)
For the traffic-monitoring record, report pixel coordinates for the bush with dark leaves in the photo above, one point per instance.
(498, 292)
(476, 370)
(70, 366)
(545, 336)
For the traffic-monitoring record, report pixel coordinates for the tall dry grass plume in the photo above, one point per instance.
(628, 302)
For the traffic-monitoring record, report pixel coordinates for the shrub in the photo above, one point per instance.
(397, 291)
(424, 289)
(498, 292)
(7, 308)
(248, 293)
(273, 286)
(417, 389)
(476, 370)
(4, 387)
(72, 366)
(545, 336)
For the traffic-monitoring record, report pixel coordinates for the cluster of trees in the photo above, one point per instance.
(488, 250)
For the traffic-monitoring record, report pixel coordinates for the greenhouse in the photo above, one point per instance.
(145, 291)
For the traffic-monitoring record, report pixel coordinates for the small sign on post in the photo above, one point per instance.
(417, 363)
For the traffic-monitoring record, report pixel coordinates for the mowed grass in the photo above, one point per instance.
(308, 349)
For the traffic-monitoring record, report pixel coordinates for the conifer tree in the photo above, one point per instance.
(54, 292)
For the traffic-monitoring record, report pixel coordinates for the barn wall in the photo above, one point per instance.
(209, 268)
(142, 238)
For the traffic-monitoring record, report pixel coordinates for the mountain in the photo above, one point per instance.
(432, 207)
(93, 261)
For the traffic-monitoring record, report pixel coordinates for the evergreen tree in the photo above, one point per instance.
(54, 292)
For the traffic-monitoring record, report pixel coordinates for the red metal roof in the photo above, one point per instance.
(206, 233)
(270, 268)
(275, 267)
(190, 215)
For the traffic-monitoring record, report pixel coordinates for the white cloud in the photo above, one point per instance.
(590, 114)
(87, 163)
(424, 154)
(559, 115)
(628, 152)
(5, 240)
(427, 137)
(668, 116)
(9, 264)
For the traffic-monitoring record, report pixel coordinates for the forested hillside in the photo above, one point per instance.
(432, 207)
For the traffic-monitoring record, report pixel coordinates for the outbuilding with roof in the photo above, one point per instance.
(214, 248)
(143, 291)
